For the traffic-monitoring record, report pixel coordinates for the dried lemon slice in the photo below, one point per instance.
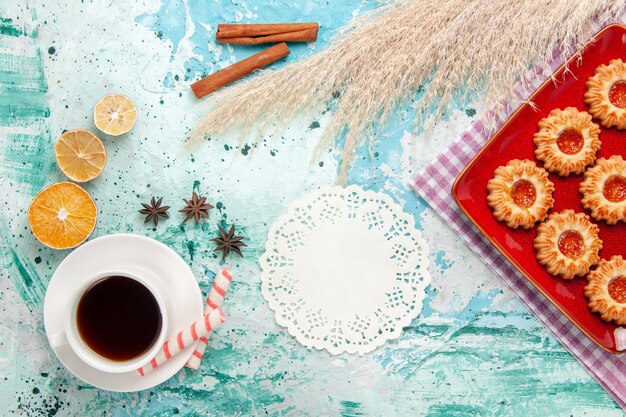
(62, 216)
(114, 114)
(80, 155)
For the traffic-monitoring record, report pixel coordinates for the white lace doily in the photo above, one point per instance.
(344, 270)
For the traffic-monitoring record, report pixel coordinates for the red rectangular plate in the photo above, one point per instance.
(514, 140)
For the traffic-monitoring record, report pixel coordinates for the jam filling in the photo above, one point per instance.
(570, 141)
(523, 193)
(615, 189)
(571, 244)
(617, 289)
(617, 94)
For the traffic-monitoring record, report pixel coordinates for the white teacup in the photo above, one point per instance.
(71, 336)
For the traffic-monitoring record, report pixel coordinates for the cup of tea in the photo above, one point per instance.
(116, 322)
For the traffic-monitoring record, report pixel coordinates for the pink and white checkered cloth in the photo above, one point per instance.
(434, 184)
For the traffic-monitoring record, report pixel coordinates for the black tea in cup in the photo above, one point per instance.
(118, 318)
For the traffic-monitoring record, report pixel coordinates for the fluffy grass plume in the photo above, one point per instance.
(447, 48)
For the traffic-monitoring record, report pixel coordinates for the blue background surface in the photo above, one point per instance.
(474, 350)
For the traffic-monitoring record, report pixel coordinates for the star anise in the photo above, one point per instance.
(227, 242)
(154, 210)
(196, 207)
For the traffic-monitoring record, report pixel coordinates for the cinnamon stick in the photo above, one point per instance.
(239, 69)
(254, 34)
(307, 35)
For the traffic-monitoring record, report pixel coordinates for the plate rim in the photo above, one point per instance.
(493, 138)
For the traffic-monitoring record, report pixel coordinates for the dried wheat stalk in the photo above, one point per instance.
(448, 48)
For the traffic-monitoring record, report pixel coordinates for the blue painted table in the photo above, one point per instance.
(474, 350)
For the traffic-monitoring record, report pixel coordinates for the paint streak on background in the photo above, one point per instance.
(474, 350)
(25, 160)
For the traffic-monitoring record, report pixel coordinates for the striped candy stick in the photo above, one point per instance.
(211, 321)
(214, 300)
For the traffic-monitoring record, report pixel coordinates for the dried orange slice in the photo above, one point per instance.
(115, 114)
(80, 155)
(62, 215)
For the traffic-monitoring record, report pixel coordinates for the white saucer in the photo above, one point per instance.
(131, 252)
